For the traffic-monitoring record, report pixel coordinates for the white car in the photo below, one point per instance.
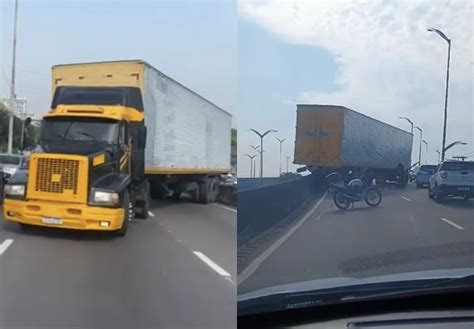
(453, 179)
(9, 164)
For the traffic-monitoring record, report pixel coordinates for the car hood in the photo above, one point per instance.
(8, 166)
(342, 282)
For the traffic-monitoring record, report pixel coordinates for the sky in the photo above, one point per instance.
(192, 41)
(375, 57)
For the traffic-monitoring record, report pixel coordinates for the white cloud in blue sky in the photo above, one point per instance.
(386, 63)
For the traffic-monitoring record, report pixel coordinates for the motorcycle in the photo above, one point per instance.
(354, 191)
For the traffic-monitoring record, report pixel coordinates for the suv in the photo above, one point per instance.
(452, 178)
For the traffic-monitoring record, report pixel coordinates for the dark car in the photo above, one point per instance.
(423, 175)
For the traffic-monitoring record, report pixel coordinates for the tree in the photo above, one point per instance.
(30, 136)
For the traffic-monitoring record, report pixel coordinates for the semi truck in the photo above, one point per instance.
(335, 138)
(118, 133)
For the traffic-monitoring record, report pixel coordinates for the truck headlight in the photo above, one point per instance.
(105, 197)
(15, 190)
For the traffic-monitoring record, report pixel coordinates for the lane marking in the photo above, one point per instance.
(227, 278)
(151, 214)
(252, 267)
(459, 227)
(225, 207)
(211, 264)
(4, 246)
(405, 198)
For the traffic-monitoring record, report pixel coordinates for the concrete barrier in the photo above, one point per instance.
(227, 194)
(251, 183)
(263, 207)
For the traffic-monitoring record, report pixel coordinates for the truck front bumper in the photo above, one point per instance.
(65, 215)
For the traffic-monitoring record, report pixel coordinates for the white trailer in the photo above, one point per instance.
(188, 138)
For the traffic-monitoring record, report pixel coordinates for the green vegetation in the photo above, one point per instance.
(30, 137)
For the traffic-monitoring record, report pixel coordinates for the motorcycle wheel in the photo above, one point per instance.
(341, 201)
(373, 197)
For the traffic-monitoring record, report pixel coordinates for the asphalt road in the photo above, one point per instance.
(175, 270)
(407, 232)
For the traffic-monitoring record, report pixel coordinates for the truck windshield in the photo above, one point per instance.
(125, 96)
(83, 130)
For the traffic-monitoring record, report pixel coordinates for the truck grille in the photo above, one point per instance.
(57, 175)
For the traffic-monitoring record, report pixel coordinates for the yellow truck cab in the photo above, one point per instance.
(88, 170)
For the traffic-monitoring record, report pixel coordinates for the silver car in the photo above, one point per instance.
(9, 164)
(452, 178)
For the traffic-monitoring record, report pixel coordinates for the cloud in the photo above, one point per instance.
(388, 63)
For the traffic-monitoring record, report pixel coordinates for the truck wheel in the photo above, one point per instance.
(127, 214)
(205, 192)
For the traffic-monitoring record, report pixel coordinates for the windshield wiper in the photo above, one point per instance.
(92, 137)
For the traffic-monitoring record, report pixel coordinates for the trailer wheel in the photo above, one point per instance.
(127, 214)
(205, 191)
(214, 189)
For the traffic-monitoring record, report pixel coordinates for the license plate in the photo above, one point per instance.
(52, 220)
(464, 188)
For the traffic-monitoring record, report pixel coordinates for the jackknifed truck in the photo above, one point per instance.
(335, 138)
(117, 133)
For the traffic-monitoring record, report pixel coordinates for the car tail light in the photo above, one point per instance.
(443, 174)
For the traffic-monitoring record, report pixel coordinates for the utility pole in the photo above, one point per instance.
(287, 160)
(281, 142)
(261, 146)
(12, 88)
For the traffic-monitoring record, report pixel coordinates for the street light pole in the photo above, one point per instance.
(453, 144)
(426, 159)
(251, 163)
(257, 149)
(442, 35)
(261, 146)
(409, 121)
(439, 155)
(281, 142)
(12, 88)
(421, 139)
